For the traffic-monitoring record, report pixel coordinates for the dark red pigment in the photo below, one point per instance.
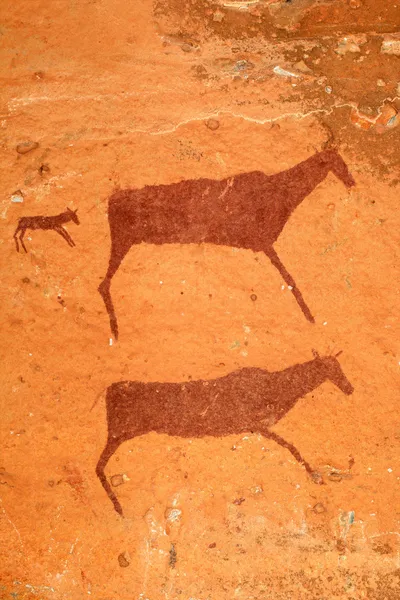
(247, 400)
(39, 222)
(248, 210)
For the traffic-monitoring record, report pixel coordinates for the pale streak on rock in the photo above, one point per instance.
(27, 100)
(11, 523)
(44, 188)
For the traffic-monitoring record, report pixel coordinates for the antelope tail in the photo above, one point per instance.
(97, 399)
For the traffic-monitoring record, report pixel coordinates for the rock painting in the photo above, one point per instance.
(246, 400)
(247, 211)
(55, 222)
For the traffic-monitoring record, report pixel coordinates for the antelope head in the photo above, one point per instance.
(334, 372)
(73, 215)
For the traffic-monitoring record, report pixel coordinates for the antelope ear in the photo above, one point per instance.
(339, 353)
(315, 353)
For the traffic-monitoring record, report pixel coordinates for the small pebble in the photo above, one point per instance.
(124, 559)
(17, 197)
(26, 147)
(319, 508)
(117, 480)
(187, 47)
(391, 45)
(302, 67)
(254, 298)
(213, 545)
(317, 478)
(212, 124)
(335, 477)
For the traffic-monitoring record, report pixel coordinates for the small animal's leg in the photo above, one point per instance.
(21, 239)
(111, 446)
(62, 232)
(67, 236)
(316, 477)
(274, 258)
(16, 238)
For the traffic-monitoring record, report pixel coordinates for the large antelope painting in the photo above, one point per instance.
(248, 210)
(247, 400)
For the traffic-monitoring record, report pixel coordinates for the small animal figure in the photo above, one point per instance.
(248, 210)
(247, 400)
(56, 222)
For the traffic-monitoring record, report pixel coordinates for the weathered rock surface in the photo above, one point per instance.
(111, 95)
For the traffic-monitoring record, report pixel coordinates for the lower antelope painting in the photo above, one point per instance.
(246, 400)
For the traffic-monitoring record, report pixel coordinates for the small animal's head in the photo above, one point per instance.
(333, 372)
(338, 166)
(73, 215)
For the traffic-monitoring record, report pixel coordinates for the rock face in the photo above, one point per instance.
(256, 300)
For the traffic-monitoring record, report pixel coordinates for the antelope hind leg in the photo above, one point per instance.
(276, 261)
(104, 290)
(315, 476)
(119, 249)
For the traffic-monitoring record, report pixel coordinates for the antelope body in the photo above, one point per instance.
(55, 222)
(248, 210)
(247, 400)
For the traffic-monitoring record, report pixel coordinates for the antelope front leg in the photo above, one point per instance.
(315, 476)
(274, 258)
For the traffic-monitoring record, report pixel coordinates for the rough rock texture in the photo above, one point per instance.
(103, 95)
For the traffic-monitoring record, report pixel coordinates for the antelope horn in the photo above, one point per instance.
(339, 353)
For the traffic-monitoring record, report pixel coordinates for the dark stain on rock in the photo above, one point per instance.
(124, 559)
(44, 168)
(381, 548)
(239, 501)
(172, 556)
